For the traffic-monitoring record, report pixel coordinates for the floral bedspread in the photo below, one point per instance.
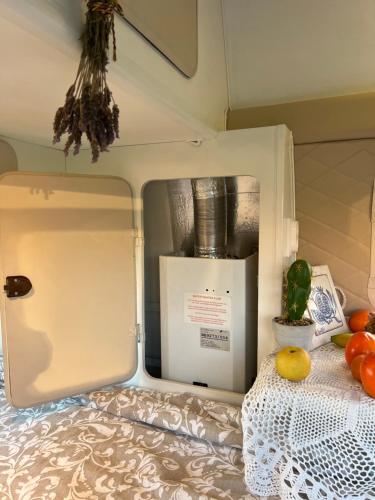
(122, 443)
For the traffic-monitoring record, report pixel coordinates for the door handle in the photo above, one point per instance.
(17, 286)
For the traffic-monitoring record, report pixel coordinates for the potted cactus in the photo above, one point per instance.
(292, 329)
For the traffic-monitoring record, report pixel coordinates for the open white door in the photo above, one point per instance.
(72, 237)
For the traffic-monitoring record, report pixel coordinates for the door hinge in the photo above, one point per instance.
(138, 333)
(139, 241)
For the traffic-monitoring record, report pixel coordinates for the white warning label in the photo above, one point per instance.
(206, 309)
(215, 339)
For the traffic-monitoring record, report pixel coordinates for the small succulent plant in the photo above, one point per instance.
(298, 291)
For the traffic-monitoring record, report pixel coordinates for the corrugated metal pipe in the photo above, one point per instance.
(210, 217)
(182, 221)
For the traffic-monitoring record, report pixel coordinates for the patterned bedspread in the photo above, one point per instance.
(122, 443)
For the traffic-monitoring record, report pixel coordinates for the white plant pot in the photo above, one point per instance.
(297, 336)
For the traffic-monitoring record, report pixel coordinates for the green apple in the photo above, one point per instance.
(293, 363)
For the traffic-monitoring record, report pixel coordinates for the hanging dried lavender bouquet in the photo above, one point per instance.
(87, 109)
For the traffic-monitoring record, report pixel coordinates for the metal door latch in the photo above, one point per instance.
(17, 286)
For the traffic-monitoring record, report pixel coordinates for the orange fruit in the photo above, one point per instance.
(360, 343)
(356, 366)
(358, 320)
(368, 374)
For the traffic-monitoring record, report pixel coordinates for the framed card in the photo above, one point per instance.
(324, 307)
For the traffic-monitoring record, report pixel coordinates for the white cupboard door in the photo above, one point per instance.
(72, 237)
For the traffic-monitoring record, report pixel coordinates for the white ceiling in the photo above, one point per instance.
(34, 77)
(277, 51)
(287, 50)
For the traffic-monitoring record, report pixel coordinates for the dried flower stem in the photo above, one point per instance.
(87, 108)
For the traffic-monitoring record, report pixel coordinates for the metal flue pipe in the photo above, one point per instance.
(210, 217)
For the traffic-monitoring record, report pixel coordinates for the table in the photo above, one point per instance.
(313, 439)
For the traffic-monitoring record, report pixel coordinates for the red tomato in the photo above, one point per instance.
(358, 320)
(368, 374)
(356, 365)
(360, 343)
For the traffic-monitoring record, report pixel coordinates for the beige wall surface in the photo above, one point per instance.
(334, 171)
(331, 119)
(333, 199)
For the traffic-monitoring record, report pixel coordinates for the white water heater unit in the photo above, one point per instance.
(208, 310)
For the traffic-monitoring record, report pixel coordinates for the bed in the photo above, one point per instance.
(121, 442)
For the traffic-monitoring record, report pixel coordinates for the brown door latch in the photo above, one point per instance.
(17, 286)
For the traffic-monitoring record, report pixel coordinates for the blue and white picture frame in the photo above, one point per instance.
(324, 307)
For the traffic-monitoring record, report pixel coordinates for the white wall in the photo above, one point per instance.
(8, 157)
(31, 157)
(256, 152)
(262, 153)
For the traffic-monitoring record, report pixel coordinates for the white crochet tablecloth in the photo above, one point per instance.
(313, 439)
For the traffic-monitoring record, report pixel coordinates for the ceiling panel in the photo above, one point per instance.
(287, 50)
(34, 78)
